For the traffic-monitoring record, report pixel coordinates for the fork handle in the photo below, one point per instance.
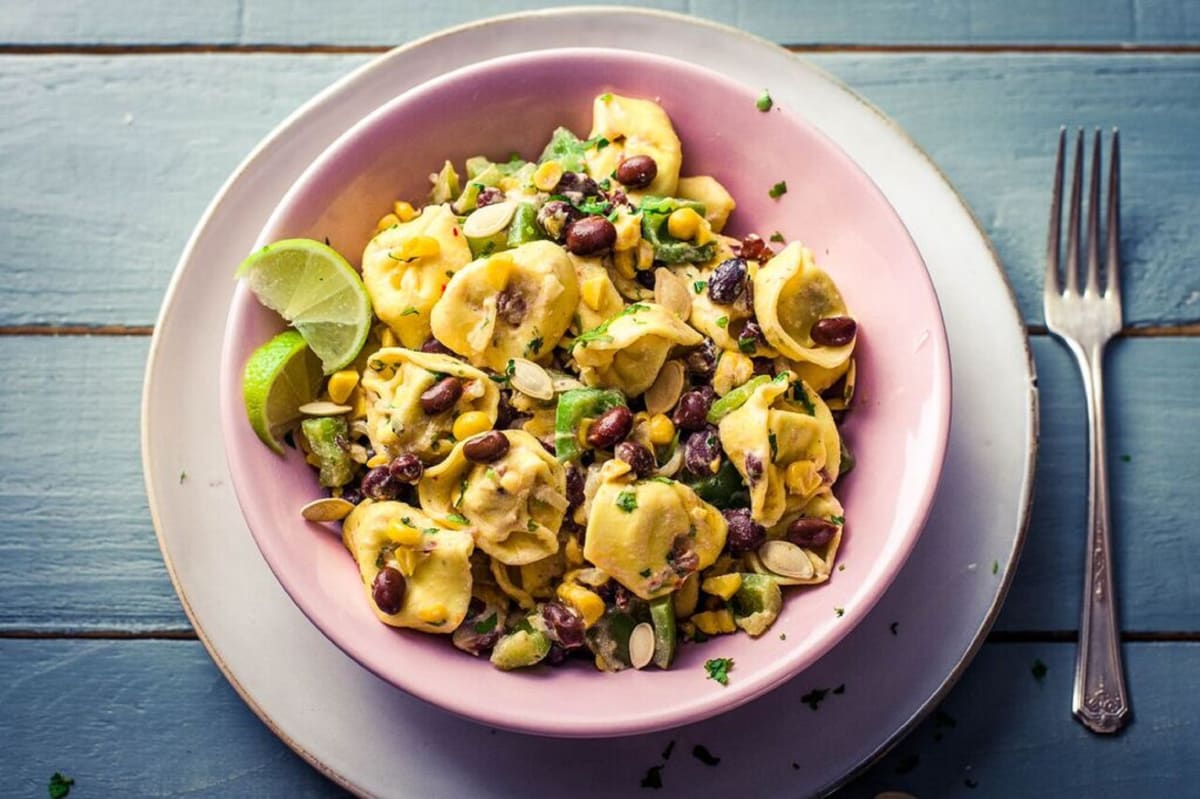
(1100, 699)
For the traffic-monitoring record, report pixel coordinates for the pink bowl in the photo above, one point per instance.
(898, 428)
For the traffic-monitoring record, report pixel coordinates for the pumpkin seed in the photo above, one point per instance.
(324, 409)
(672, 293)
(489, 220)
(327, 509)
(641, 645)
(787, 559)
(561, 381)
(531, 379)
(666, 389)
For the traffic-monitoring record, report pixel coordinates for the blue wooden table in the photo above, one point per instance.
(118, 122)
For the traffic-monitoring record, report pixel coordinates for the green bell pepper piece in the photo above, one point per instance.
(520, 648)
(445, 185)
(465, 203)
(662, 616)
(523, 228)
(566, 148)
(735, 399)
(723, 489)
(609, 639)
(573, 407)
(324, 434)
(655, 211)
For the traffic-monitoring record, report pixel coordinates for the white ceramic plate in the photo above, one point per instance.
(377, 740)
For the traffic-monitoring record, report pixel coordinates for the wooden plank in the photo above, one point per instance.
(127, 151)
(138, 718)
(81, 553)
(376, 22)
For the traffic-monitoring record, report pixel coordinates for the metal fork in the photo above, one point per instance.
(1086, 320)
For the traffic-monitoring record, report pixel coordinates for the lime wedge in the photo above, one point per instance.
(280, 376)
(310, 285)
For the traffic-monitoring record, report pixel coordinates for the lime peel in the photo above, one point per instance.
(279, 377)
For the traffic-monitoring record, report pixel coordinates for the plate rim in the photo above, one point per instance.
(309, 106)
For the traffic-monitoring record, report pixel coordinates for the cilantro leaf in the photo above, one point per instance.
(60, 785)
(487, 625)
(778, 190)
(718, 669)
(627, 501)
(764, 101)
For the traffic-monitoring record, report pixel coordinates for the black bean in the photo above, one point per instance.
(702, 452)
(645, 278)
(488, 196)
(576, 479)
(379, 485)
(638, 457)
(505, 413)
(728, 281)
(556, 656)
(612, 426)
(691, 413)
(564, 625)
(486, 447)
(441, 396)
(510, 307)
(702, 361)
(352, 494)
(406, 468)
(388, 590)
(576, 185)
(836, 331)
(554, 217)
(591, 235)
(753, 330)
(763, 366)
(744, 534)
(810, 532)
(433, 345)
(637, 171)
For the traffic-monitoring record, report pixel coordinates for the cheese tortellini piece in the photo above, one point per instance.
(394, 380)
(404, 269)
(791, 294)
(718, 202)
(435, 562)
(823, 505)
(598, 296)
(779, 447)
(515, 304)
(628, 350)
(649, 535)
(635, 127)
(515, 505)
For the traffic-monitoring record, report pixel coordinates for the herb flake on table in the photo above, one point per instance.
(995, 567)
(60, 785)
(718, 669)
(894, 627)
(777, 237)
(841, 689)
(666, 753)
(701, 753)
(840, 612)
(653, 778)
(778, 190)
(815, 697)
(1038, 669)
(764, 101)
(907, 764)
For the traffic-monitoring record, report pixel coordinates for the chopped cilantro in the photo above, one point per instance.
(60, 785)
(723, 322)
(718, 669)
(1126, 458)
(431, 531)
(783, 636)
(815, 697)
(699, 286)
(801, 396)
(534, 346)
(606, 97)
(840, 612)
(407, 521)
(600, 332)
(627, 501)
(995, 567)
(764, 101)
(645, 572)
(458, 518)
(666, 755)
(487, 625)
(1039, 669)
(182, 477)
(778, 190)
(531, 525)
(894, 627)
(746, 344)
(661, 479)
(777, 237)
(653, 778)
(841, 689)
(706, 757)
(773, 440)
(838, 520)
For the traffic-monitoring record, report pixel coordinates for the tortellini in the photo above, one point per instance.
(515, 304)
(649, 535)
(823, 505)
(718, 203)
(394, 380)
(435, 561)
(791, 293)
(405, 267)
(635, 127)
(781, 446)
(598, 296)
(515, 505)
(627, 351)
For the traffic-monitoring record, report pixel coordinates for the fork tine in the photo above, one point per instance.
(1112, 258)
(1073, 218)
(1093, 220)
(1052, 246)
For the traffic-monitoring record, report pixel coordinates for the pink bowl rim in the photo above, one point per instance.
(748, 687)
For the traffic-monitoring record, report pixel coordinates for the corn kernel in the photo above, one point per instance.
(341, 384)
(404, 535)
(686, 597)
(662, 429)
(376, 461)
(587, 604)
(625, 262)
(416, 247)
(497, 271)
(387, 338)
(407, 560)
(471, 423)
(547, 175)
(715, 622)
(358, 403)
(507, 184)
(802, 478)
(386, 221)
(592, 291)
(684, 223)
(404, 211)
(433, 614)
(645, 255)
(724, 586)
(704, 232)
(629, 231)
(573, 552)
